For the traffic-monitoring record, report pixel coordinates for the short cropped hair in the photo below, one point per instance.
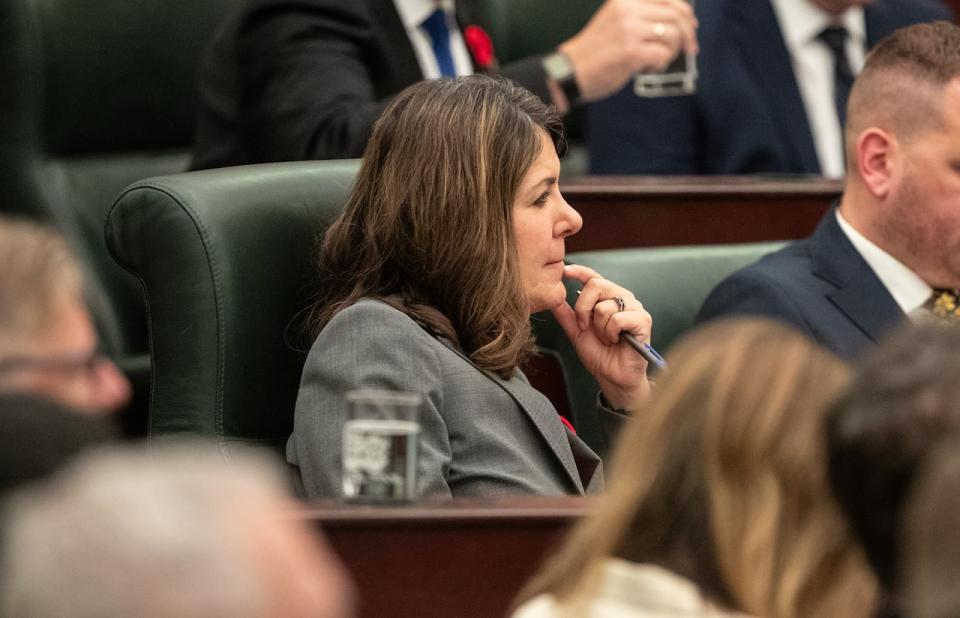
(904, 400)
(897, 89)
(38, 267)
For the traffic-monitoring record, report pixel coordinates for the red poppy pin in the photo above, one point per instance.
(481, 47)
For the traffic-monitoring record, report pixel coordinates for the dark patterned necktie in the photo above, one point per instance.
(835, 38)
(943, 303)
(436, 27)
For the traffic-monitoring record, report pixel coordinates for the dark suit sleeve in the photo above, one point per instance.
(636, 135)
(750, 293)
(612, 421)
(313, 75)
(529, 73)
(307, 91)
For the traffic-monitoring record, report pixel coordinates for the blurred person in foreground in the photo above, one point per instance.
(930, 537)
(173, 532)
(452, 236)
(904, 402)
(719, 503)
(891, 250)
(48, 343)
(39, 436)
(288, 80)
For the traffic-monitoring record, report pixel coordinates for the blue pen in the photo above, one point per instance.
(643, 349)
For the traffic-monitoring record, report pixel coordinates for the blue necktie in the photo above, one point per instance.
(835, 38)
(436, 27)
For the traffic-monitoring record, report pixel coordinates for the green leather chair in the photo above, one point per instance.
(224, 258)
(522, 28)
(96, 95)
(671, 282)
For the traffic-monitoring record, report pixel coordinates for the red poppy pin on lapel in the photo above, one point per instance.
(481, 48)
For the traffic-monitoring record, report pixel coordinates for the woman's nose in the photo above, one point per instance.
(570, 220)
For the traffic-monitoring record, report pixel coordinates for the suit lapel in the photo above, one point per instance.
(859, 294)
(405, 66)
(544, 418)
(756, 38)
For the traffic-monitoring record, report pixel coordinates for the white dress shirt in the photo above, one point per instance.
(906, 287)
(800, 23)
(630, 590)
(413, 13)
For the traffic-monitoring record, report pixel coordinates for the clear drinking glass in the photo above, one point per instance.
(679, 78)
(380, 446)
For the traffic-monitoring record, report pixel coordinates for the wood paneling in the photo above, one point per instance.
(465, 558)
(637, 211)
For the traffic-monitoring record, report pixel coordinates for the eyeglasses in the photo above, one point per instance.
(78, 361)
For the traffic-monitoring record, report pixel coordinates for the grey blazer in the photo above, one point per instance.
(480, 435)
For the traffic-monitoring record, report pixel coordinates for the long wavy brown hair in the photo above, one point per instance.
(723, 480)
(428, 225)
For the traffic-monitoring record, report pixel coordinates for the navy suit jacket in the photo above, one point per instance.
(821, 286)
(289, 80)
(747, 115)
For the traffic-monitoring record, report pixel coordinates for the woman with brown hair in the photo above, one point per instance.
(453, 234)
(719, 502)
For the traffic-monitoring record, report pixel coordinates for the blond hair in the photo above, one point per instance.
(723, 479)
(428, 225)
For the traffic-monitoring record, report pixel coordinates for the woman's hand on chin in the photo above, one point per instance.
(594, 325)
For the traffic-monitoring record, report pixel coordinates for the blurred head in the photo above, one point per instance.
(48, 344)
(723, 479)
(904, 400)
(173, 532)
(930, 537)
(455, 217)
(903, 150)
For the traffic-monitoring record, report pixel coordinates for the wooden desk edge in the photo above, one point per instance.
(457, 512)
(692, 186)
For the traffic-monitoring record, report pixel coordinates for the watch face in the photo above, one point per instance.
(557, 66)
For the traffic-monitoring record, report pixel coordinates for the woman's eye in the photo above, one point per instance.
(542, 199)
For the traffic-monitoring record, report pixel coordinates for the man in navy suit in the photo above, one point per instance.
(287, 80)
(895, 237)
(765, 92)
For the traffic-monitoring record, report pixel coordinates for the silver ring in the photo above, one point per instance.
(659, 29)
(622, 305)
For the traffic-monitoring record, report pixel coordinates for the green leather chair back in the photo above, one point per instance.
(224, 258)
(96, 94)
(522, 28)
(671, 282)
